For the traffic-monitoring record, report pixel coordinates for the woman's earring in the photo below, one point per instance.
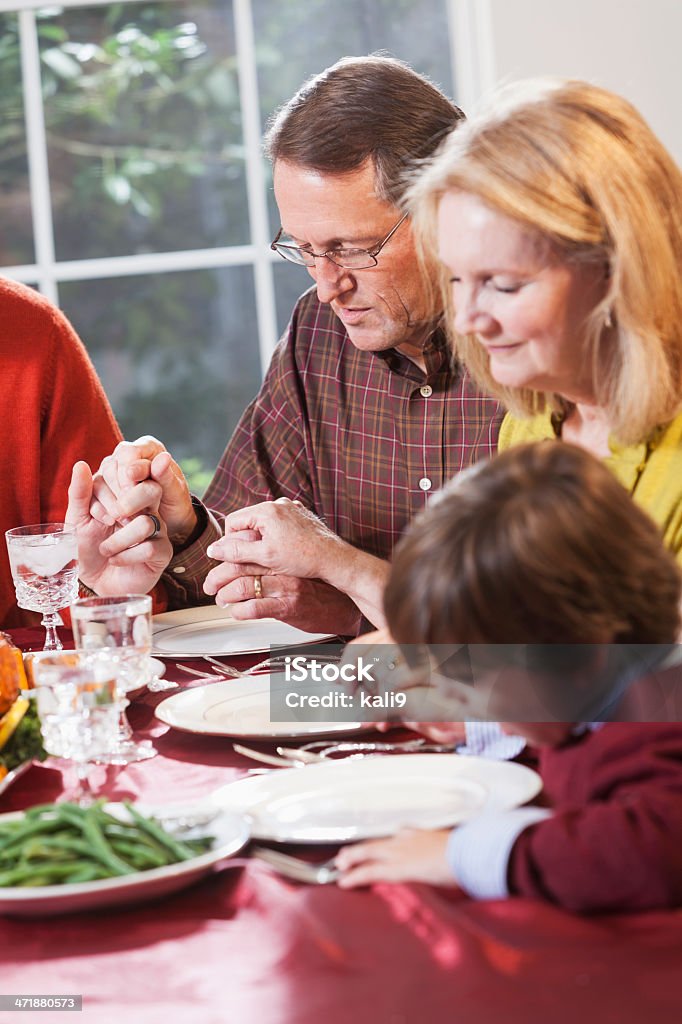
(608, 319)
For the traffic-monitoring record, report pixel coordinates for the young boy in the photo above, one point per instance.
(543, 546)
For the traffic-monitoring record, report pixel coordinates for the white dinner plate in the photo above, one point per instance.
(231, 833)
(196, 632)
(342, 801)
(241, 708)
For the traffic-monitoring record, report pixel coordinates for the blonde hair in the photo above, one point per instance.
(578, 166)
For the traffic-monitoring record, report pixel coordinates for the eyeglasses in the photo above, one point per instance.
(349, 259)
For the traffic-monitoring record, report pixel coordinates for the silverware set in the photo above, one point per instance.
(321, 751)
(274, 663)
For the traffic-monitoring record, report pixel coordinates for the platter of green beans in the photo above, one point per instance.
(59, 858)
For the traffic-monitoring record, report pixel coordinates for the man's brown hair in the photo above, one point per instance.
(363, 108)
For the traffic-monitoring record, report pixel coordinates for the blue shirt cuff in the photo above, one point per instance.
(486, 739)
(478, 852)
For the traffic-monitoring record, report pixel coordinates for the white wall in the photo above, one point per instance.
(633, 47)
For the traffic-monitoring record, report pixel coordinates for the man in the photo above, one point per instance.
(361, 414)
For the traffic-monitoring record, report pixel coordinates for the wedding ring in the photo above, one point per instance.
(157, 525)
(257, 586)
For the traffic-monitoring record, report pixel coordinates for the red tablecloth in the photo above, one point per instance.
(248, 947)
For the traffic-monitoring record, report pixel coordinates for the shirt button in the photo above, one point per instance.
(179, 569)
(426, 391)
(425, 483)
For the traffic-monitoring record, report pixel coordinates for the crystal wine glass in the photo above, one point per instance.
(122, 627)
(78, 709)
(44, 563)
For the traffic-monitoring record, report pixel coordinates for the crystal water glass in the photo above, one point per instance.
(44, 563)
(78, 707)
(122, 627)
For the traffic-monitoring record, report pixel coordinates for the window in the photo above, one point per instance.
(134, 194)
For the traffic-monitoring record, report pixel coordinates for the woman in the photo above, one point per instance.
(557, 215)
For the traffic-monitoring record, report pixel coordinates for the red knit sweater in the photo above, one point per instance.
(615, 839)
(53, 412)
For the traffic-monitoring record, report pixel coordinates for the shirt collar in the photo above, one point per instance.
(437, 356)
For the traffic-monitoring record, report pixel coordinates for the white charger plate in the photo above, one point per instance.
(231, 833)
(343, 801)
(196, 632)
(241, 708)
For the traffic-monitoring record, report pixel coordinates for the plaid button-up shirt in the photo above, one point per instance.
(361, 438)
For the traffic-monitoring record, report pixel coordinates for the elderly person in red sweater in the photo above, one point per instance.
(53, 412)
(544, 546)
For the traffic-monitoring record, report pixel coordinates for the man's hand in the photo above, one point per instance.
(114, 560)
(139, 475)
(307, 604)
(411, 856)
(282, 539)
(281, 536)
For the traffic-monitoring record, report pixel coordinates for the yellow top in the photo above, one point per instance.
(651, 472)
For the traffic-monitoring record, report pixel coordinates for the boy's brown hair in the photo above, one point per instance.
(540, 545)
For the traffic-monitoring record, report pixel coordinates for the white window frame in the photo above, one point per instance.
(472, 58)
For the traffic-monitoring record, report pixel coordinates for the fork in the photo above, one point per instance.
(277, 762)
(272, 663)
(226, 672)
(294, 867)
(416, 746)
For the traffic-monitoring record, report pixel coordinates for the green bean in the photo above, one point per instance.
(32, 828)
(140, 857)
(64, 843)
(180, 850)
(100, 848)
(26, 874)
(86, 873)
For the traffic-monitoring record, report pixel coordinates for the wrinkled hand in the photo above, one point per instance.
(411, 856)
(114, 560)
(307, 604)
(286, 539)
(140, 475)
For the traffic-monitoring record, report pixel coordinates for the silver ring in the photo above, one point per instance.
(157, 525)
(257, 586)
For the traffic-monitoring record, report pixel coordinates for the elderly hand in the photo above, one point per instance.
(114, 560)
(411, 856)
(282, 539)
(253, 592)
(139, 475)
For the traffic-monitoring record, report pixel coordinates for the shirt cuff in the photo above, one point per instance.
(478, 852)
(486, 739)
(191, 564)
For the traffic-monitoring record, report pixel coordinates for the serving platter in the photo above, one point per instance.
(230, 832)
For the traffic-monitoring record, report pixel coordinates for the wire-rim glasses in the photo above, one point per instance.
(348, 259)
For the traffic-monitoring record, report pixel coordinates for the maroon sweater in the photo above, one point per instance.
(615, 839)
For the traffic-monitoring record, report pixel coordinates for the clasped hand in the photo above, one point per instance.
(272, 559)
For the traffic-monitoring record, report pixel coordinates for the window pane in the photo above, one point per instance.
(177, 354)
(144, 128)
(296, 40)
(16, 237)
(290, 283)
